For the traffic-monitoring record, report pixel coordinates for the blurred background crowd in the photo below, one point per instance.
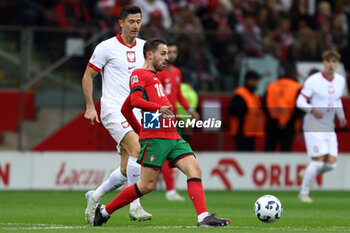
(212, 35)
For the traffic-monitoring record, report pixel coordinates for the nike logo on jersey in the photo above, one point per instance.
(155, 78)
(132, 67)
(136, 175)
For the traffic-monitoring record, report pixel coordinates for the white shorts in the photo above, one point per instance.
(117, 125)
(319, 144)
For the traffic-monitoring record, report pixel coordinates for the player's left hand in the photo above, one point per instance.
(194, 114)
(166, 112)
(342, 122)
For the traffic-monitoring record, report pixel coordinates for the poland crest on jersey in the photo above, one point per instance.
(130, 55)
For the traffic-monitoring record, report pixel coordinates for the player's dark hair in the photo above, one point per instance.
(152, 45)
(331, 53)
(127, 10)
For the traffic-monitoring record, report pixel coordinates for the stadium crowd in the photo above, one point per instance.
(212, 35)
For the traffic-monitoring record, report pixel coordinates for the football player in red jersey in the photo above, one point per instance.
(159, 140)
(171, 79)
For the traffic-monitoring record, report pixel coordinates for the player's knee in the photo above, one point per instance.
(134, 150)
(195, 171)
(146, 187)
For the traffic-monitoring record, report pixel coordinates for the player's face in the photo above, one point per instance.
(160, 57)
(131, 25)
(172, 53)
(330, 65)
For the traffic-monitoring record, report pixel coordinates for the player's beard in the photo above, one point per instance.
(159, 66)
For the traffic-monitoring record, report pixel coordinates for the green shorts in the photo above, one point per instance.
(154, 151)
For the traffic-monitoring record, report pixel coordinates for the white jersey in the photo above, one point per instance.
(325, 95)
(116, 61)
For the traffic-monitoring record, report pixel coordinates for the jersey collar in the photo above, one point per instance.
(329, 80)
(120, 39)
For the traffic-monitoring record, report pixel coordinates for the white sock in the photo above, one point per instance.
(327, 167)
(104, 212)
(170, 192)
(310, 175)
(202, 216)
(133, 171)
(115, 180)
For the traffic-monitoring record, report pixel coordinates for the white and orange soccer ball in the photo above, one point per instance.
(268, 208)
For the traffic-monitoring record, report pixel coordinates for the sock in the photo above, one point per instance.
(133, 171)
(104, 212)
(168, 176)
(170, 192)
(115, 180)
(202, 216)
(309, 177)
(126, 196)
(327, 167)
(196, 193)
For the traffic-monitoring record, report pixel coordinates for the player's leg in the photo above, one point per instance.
(317, 149)
(130, 144)
(168, 176)
(113, 122)
(189, 166)
(330, 161)
(116, 179)
(145, 185)
(183, 158)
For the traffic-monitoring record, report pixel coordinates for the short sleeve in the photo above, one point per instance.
(99, 58)
(136, 81)
(307, 90)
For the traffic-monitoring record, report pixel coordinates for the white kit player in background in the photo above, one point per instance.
(116, 58)
(320, 98)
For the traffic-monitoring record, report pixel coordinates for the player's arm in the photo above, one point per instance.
(303, 98)
(129, 115)
(137, 101)
(87, 84)
(183, 101)
(339, 111)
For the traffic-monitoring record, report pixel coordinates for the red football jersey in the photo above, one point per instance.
(152, 89)
(171, 81)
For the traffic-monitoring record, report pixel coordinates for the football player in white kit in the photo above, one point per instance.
(320, 98)
(115, 59)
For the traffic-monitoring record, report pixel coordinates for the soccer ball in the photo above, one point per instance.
(268, 208)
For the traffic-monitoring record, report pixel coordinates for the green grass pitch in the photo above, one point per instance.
(63, 211)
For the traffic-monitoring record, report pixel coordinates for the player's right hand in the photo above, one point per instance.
(167, 112)
(317, 113)
(91, 115)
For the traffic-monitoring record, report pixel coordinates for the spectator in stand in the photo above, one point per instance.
(305, 46)
(279, 105)
(73, 14)
(220, 31)
(273, 13)
(188, 22)
(339, 32)
(283, 37)
(324, 12)
(30, 13)
(154, 28)
(246, 116)
(104, 18)
(299, 15)
(250, 34)
(324, 37)
(251, 6)
(149, 6)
